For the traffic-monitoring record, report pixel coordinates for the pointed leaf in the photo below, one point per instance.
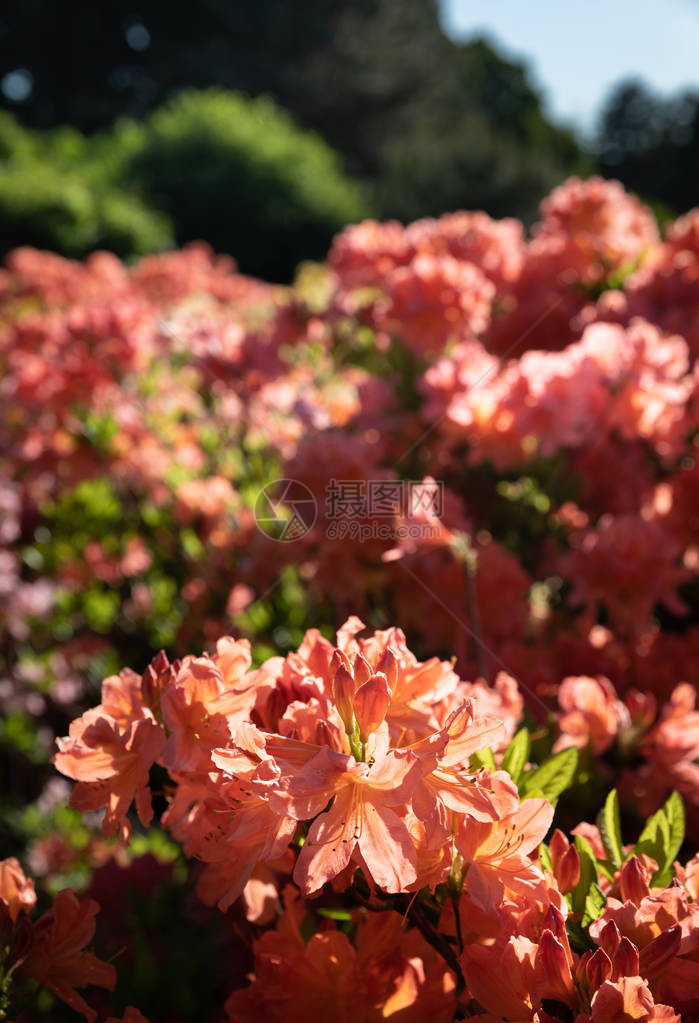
(609, 824)
(606, 868)
(545, 858)
(554, 776)
(594, 904)
(517, 754)
(579, 939)
(655, 839)
(483, 758)
(674, 814)
(588, 874)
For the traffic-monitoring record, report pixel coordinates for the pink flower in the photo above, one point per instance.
(502, 980)
(16, 890)
(433, 300)
(591, 714)
(111, 762)
(57, 957)
(364, 254)
(602, 227)
(187, 706)
(365, 816)
(497, 853)
(629, 998)
(451, 788)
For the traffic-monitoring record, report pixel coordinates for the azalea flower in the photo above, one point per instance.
(16, 890)
(496, 854)
(451, 787)
(111, 762)
(57, 957)
(365, 816)
(383, 972)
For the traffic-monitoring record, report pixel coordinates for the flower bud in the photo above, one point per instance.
(388, 665)
(565, 862)
(459, 719)
(361, 669)
(580, 971)
(559, 846)
(569, 871)
(642, 708)
(554, 921)
(633, 881)
(609, 938)
(324, 736)
(598, 969)
(625, 962)
(371, 701)
(343, 694)
(274, 709)
(339, 658)
(158, 674)
(553, 979)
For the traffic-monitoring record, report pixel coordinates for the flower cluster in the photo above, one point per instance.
(365, 816)
(361, 739)
(356, 776)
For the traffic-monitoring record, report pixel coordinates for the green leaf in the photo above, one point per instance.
(665, 837)
(533, 794)
(594, 904)
(553, 777)
(675, 814)
(609, 824)
(579, 939)
(100, 608)
(654, 840)
(517, 755)
(482, 758)
(335, 914)
(545, 858)
(588, 874)
(191, 544)
(606, 868)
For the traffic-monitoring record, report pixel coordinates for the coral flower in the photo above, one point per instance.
(451, 787)
(364, 816)
(16, 890)
(502, 980)
(629, 999)
(590, 713)
(497, 853)
(111, 765)
(57, 958)
(187, 709)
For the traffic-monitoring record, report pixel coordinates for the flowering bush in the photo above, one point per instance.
(491, 814)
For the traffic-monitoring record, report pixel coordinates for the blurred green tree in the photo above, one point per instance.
(432, 125)
(240, 174)
(208, 164)
(55, 194)
(651, 144)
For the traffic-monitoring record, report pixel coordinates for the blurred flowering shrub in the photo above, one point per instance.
(397, 821)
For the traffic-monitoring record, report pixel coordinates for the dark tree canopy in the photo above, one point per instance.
(430, 124)
(652, 144)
